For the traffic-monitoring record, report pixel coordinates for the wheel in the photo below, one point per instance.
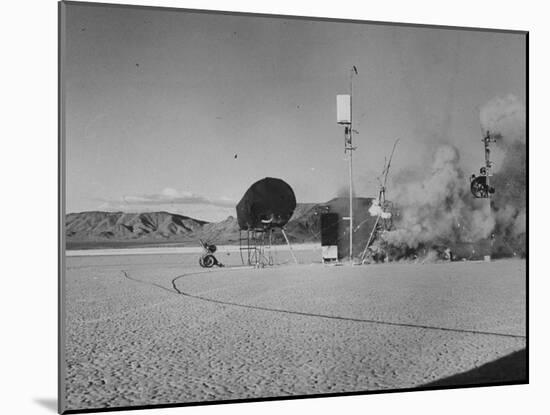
(208, 261)
(479, 188)
(201, 262)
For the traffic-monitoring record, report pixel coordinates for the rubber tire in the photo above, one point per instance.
(208, 261)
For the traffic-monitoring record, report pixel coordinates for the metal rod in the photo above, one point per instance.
(289, 246)
(364, 253)
(241, 245)
(488, 172)
(350, 204)
(248, 245)
(486, 141)
(351, 165)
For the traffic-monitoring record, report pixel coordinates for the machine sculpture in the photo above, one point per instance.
(267, 205)
(480, 185)
(207, 259)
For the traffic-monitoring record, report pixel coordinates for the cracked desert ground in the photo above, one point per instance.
(237, 333)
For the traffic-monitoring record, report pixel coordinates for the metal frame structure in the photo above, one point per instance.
(257, 246)
(480, 185)
(384, 204)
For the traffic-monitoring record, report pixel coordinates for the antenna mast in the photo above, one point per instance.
(480, 186)
(344, 116)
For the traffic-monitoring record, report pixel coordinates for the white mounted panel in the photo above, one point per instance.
(343, 109)
(330, 252)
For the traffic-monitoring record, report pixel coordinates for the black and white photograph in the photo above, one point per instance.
(263, 207)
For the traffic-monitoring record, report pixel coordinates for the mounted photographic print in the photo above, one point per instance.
(258, 207)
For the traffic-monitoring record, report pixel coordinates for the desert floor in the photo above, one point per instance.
(158, 329)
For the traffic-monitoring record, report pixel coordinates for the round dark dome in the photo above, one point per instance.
(268, 203)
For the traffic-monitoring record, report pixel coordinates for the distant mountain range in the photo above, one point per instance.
(91, 230)
(118, 229)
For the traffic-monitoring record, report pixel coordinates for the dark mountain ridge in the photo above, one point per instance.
(94, 229)
(97, 229)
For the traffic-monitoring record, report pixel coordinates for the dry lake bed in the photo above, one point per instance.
(157, 329)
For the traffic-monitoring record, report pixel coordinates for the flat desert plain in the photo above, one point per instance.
(157, 329)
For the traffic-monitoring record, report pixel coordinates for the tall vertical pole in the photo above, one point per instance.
(351, 165)
(487, 139)
(346, 119)
(488, 172)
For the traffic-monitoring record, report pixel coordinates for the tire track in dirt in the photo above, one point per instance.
(178, 291)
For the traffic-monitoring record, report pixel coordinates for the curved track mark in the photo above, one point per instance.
(327, 316)
(177, 291)
(149, 283)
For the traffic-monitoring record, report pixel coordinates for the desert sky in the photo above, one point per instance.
(183, 111)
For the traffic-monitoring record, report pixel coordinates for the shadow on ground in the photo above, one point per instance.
(510, 368)
(47, 403)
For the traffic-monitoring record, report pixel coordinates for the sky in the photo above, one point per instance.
(182, 111)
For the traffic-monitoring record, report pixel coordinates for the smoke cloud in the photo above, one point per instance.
(438, 208)
(377, 210)
(504, 116)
